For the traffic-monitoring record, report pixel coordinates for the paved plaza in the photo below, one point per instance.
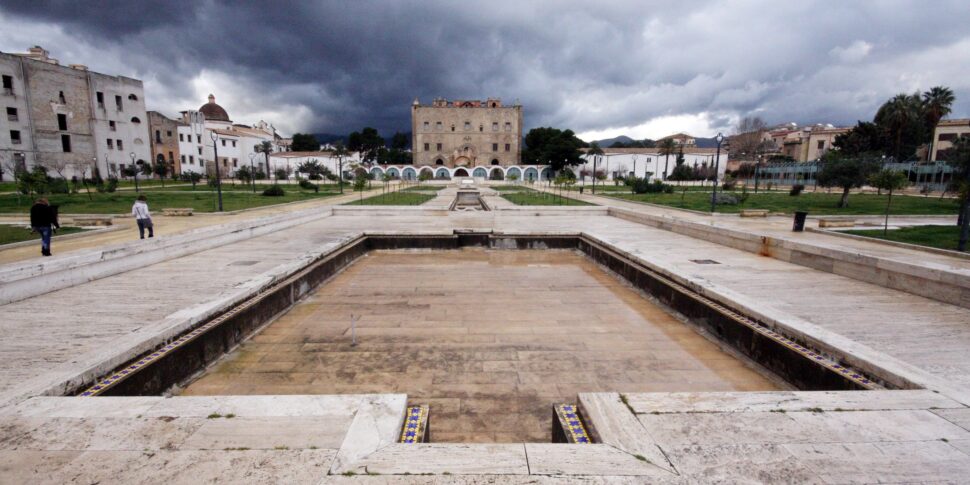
(297, 404)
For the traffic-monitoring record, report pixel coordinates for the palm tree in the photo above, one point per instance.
(667, 148)
(897, 115)
(266, 147)
(937, 103)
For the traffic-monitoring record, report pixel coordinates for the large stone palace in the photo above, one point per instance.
(462, 133)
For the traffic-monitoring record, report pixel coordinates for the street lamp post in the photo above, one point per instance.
(595, 160)
(215, 151)
(136, 169)
(634, 166)
(252, 173)
(717, 166)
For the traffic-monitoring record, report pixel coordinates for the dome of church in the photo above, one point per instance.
(214, 112)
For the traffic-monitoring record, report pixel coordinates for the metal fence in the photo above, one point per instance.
(933, 175)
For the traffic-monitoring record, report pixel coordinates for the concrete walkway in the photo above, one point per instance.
(164, 226)
(780, 228)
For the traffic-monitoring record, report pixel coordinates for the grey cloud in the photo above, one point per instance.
(572, 64)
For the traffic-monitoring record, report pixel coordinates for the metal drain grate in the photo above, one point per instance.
(704, 261)
(242, 263)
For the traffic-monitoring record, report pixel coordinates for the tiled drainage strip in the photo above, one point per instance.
(415, 428)
(803, 367)
(567, 425)
(174, 362)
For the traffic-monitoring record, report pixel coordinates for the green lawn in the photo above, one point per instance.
(201, 200)
(424, 188)
(395, 198)
(510, 188)
(11, 233)
(533, 197)
(942, 237)
(818, 203)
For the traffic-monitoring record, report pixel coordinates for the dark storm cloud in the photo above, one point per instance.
(338, 66)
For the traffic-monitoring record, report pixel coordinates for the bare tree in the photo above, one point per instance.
(58, 166)
(746, 141)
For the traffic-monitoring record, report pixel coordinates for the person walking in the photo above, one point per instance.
(42, 217)
(143, 217)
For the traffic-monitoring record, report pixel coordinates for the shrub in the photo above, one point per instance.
(729, 184)
(274, 191)
(260, 175)
(644, 186)
(212, 182)
(281, 174)
(744, 194)
(58, 186)
(725, 199)
(796, 189)
(112, 185)
(315, 176)
(305, 184)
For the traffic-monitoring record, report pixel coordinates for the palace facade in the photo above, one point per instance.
(462, 133)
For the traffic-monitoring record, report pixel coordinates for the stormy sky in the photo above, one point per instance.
(639, 68)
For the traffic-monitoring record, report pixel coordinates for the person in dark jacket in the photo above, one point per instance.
(42, 217)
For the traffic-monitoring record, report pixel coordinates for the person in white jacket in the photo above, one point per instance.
(143, 217)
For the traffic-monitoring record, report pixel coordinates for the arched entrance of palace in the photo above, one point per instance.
(461, 172)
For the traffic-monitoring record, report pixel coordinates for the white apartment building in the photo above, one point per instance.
(623, 162)
(234, 143)
(69, 119)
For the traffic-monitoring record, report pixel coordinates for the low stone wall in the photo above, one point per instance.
(23, 280)
(945, 286)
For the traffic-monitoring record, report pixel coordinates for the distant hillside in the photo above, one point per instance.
(701, 142)
(328, 138)
(606, 143)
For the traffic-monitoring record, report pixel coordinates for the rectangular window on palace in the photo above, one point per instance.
(508, 147)
(66, 143)
(112, 126)
(427, 147)
(100, 98)
(62, 122)
(120, 145)
(8, 84)
(118, 103)
(111, 143)
(181, 137)
(15, 137)
(494, 147)
(439, 147)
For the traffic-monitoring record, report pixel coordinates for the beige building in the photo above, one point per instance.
(680, 139)
(463, 133)
(946, 132)
(164, 140)
(803, 144)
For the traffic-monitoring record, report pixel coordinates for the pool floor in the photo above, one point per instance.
(489, 338)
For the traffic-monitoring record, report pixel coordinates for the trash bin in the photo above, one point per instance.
(799, 225)
(580, 190)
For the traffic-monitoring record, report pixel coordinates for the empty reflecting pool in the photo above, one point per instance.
(489, 338)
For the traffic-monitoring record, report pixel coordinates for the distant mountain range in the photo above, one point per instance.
(701, 142)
